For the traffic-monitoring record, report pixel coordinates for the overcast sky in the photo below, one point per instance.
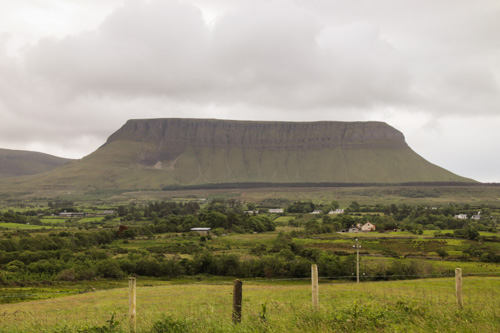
(73, 71)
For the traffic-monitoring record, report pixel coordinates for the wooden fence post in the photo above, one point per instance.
(132, 303)
(315, 292)
(237, 299)
(458, 286)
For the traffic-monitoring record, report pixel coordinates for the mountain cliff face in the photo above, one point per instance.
(154, 153)
(173, 137)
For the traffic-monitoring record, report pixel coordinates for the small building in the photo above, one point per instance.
(71, 214)
(336, 211)
(461, 216)
(368, 226)
(317, 211)
(276, 210)
(353, 229)
(252, 212)
(201, 230)
(476, 217)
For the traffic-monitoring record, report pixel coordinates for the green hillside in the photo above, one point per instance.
(15, 163)
(154, 153)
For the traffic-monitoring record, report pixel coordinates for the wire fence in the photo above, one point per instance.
(261, 297)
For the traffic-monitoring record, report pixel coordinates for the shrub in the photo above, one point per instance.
(67, 275)
(442, 253)
(109, 269)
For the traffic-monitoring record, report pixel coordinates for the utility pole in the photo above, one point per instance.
(357, 247)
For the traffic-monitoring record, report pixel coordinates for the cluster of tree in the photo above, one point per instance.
(274, 203)
(281, 258)
(402, 211)
(309, 206)
(31, 216)
(164, 208)
(62, 240)
(229, 222)
(469, 232)
(181, 217)
(419, 218)
(335, 223)
(15, 217)
(461, 228)
(55, 207)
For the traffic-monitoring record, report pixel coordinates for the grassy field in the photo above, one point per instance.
(283, 220)
(23, 226)
(392, 246)
(91, 219)
(416, 306)
(368, 264)
(411, 195)
(57, 220)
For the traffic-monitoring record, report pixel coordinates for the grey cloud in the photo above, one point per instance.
(262, 53)
(154, 47)
(446, 46)
(290, 55)
(273, 40)
(365, 69)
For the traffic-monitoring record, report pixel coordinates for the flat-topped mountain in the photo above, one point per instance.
(15, 163)
(154, 153)
(172, 134)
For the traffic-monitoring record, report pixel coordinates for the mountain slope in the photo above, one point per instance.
(15, 163)
(153, 153)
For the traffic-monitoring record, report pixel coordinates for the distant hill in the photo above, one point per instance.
(15, 163)
(154, 153)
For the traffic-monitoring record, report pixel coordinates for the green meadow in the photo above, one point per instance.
(269, 306)
(23, 226)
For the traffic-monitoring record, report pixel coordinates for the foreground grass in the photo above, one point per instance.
(279, 306)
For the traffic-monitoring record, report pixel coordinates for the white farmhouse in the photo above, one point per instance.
(477, 216)
(201, 230)
(368, 227)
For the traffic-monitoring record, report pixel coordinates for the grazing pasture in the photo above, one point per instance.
(277, 306)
